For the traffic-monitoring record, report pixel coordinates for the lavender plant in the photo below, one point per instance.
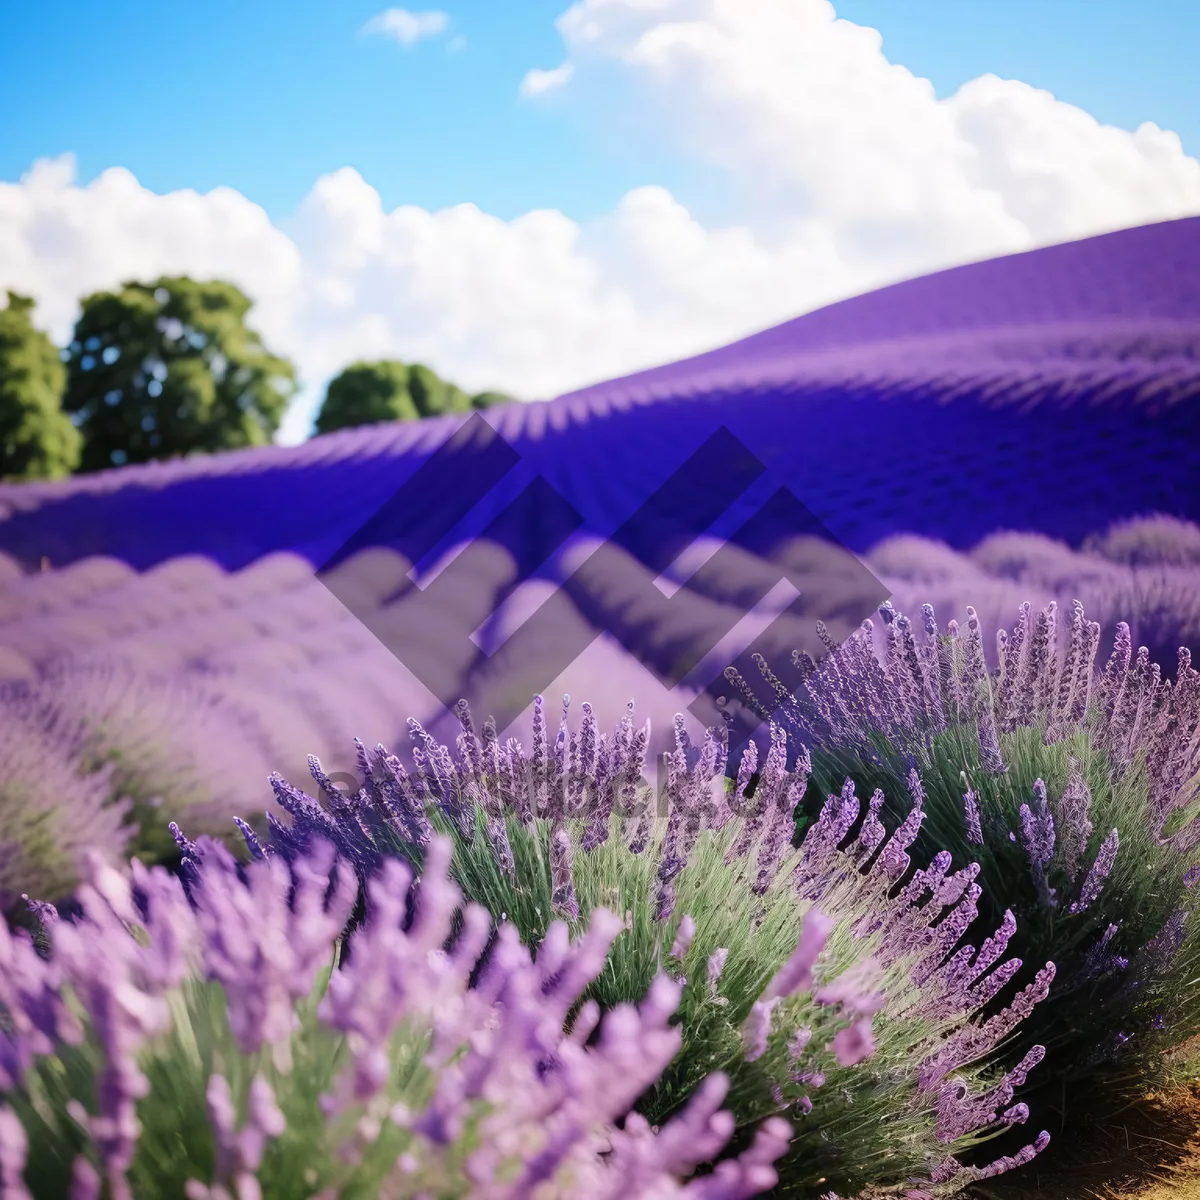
(204, 1044)
(52, 810)
(1142, 571)
(1156, 540)
(857, 1025)
(152, 749)
(1075, 791)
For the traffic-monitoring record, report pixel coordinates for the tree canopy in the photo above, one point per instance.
(157, 370)
(369, 392)
(37, 439)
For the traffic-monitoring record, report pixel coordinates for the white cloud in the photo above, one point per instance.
(806, 113)
(406, 27)
(851, 173)
(538, 81)
(535, 305)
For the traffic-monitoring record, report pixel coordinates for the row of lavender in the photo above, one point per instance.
(188, 685)
(182, 1034)
(847, 1049)
(919, 1002)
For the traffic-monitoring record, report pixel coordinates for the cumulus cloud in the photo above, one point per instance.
(537, 81)
(851, 173)
(406, 27)
(806, 113)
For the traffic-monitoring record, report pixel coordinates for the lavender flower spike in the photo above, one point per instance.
(796, 974)
(854, 1043)
(1098, 874)
(854, 990)
(683, 937)
(560, 866)
(758, 1028)
(1037, 829)
(974, 825)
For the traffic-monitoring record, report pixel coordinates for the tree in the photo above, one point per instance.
(37, 439)
(168, 368)
(368, 392)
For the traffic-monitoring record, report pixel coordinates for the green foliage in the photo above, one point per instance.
(37, 439)
(177, 1142)
(369, 392)
(162, 369)
(869, 1123)
(1082, 1021)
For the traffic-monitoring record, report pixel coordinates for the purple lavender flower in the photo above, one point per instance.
(490, 1045)
(563, 897)
(1037, 829)
(758, 1028)
(862, 695)
(683, 937)
(1098, 874)
(854, 990)
(854, 1043)
(973, 1041)
(86, 1183)
(873, 832)
(716, 965)
(893, 857)
(922, 925)
(959, 1112)
(52, 794)
(1155, 958)
(971, 809)
(796, 974)
(265, 951)
(238, 1154)
(1074, 820)
(799, 1041)
(1009, 1162)
(990, 758)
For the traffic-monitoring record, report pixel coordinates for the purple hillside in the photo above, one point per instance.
(1054, 391)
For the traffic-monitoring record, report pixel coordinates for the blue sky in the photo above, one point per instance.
(265, 96)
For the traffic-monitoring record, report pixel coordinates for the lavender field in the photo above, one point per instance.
(945, 871)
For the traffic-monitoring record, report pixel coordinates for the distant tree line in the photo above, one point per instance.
(170, 368)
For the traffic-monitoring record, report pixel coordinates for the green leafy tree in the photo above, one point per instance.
(37, 439)
(369, 392)
(168, 368)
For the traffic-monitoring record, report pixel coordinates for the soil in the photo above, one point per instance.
(1145, 1150)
